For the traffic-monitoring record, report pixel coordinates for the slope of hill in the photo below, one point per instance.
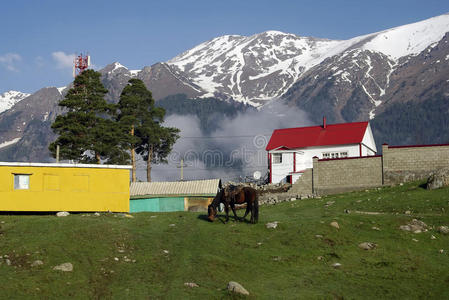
(153, 255)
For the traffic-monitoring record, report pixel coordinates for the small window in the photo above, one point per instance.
(21, 181)
(327, 155)
(343, 154)
(277, 158)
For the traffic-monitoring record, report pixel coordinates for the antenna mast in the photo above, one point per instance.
(80, 64)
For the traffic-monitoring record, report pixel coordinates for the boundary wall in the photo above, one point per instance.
(397, 164)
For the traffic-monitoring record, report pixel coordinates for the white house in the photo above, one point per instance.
(291, 150)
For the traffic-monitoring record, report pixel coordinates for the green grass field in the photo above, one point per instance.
(153, 254)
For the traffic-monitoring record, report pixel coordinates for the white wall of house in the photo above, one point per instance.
(368, 143)
(304, 158)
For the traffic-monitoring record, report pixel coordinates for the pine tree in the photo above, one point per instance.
(143, 122)
(87, 131)
(135, 105)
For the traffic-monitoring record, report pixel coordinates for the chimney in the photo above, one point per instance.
(324, 122)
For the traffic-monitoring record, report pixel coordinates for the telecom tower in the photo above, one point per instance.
(80, 63)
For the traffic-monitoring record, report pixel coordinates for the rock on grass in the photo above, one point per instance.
(415, 226)
(37, 263)
(65, 267)
(335, 224)
(191, 284)
(272, 225)
(443, 229)
(236, 287)
(367, 245)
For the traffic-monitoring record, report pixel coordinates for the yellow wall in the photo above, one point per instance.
(65, 189)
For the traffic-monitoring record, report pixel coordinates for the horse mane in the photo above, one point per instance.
(217, 198)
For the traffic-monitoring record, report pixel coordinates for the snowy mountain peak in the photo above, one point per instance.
(117, 65)
(265, 65)
(8, 99)
(409, 39)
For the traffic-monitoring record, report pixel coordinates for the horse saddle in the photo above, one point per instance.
(233, 191)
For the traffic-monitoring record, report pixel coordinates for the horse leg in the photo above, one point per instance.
(233, 210)
(253, 213)
(227, 211)
(248, 208)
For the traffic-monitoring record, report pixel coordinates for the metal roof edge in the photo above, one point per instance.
(64, 165)
(137, 197)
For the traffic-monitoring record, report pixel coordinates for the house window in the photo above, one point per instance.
(277, 158)
(327, 155)
(21, 181)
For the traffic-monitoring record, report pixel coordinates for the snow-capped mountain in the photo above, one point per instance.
(8, 99)
(386, 76)
(264, 66)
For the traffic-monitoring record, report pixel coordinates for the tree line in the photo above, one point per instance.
(93, 131)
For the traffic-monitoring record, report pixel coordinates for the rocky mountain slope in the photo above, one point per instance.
(264, 66)
(397, 74)
(8, 99)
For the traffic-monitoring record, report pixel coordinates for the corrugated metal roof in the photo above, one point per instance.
(185, 188)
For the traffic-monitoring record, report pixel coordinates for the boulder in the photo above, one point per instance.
(336, 265)
(65, 267)
(415, 226)
(335, 224)
(367, 245)
(236, 287)
(62, 214)
(272, 225)
(37, 263)
(191, 284)
(443, 229)
(438, 179)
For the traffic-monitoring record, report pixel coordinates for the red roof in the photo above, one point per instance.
(301, 137)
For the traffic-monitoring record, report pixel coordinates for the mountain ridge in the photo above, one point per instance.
(345, 80)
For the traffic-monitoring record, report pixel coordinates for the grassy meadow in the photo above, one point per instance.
(152, 255)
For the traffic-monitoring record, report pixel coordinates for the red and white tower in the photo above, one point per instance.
(80, 63)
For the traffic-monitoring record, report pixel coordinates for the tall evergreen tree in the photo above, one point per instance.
(143, 122)
(135, 105)
(87, 131)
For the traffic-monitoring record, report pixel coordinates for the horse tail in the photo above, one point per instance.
(256, 208)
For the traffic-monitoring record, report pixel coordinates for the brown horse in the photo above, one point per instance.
(232, 195)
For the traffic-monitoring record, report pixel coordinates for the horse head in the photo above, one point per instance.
(212, 212)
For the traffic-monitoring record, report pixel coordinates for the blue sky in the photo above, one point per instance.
(38, 37)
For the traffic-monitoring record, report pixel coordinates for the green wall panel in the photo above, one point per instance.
(171, 204)
(156, 204)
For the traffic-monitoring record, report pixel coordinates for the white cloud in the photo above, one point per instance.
(63, 60)
(9, 59)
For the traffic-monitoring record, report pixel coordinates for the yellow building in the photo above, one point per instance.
(63, 187)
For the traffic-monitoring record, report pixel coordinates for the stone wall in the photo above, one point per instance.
(332, 176)
(409, 163)
(397, 164)
(303, 186)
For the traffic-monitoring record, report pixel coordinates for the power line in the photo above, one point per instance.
(224, 136)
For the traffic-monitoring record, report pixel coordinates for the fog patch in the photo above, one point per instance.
(233, 152)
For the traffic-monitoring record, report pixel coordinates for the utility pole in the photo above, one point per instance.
(182, 165)
(57, 153)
